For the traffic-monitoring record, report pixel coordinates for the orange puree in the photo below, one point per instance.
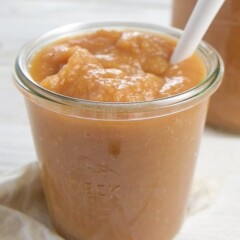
(116, 178)
(114, 66)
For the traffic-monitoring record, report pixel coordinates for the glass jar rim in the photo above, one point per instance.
(204, 89)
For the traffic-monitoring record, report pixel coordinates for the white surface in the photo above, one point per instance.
(22, 20)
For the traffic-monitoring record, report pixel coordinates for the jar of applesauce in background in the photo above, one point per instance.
(224, 35)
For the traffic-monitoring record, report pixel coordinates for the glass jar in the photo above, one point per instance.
(224, 35)
(116, 170)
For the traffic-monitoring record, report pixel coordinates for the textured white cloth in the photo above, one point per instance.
(23, 212)
(24, 215)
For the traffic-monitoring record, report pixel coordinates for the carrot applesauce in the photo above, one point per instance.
(109, 173)
(114, 66)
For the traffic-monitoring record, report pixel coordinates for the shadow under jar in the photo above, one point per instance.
(224, 35)
(116, 170)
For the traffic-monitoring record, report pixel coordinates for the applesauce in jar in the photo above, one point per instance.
(224, 35)
(116, 127)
